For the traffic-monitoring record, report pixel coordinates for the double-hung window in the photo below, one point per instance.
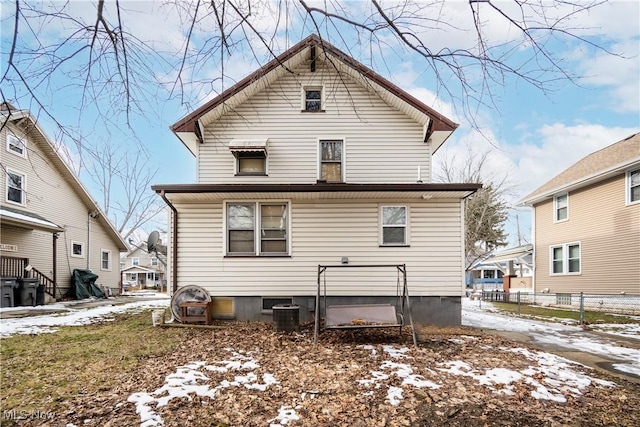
(633, 186)
(16, 145)
(394, 225)
(257, 228)
(135, 261)
(105, 260)
(331, 161)
(561, 207)
(16, 187)
(313, 99)
(565, 259)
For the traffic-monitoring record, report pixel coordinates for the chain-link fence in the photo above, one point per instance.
(612, 303)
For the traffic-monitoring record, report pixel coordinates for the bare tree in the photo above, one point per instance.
(125, 179)
(114, 69)
(486, 211)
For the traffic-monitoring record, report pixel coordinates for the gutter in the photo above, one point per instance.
(174, 243)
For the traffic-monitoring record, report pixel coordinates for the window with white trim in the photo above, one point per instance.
(257, 228)
(561, 207)
(105, 259)
(154, 261)
(313, 99)
(16, 184)
(633, 186)
(77, 249)
(565, 259)
(331, 161)
(16, 145)
(393, 225)
(135, 261)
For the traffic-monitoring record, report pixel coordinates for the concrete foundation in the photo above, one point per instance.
(440, 311)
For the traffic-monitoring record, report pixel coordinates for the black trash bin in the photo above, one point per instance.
(7, 286)
(26, 292)
(40, 294)
(286, 317)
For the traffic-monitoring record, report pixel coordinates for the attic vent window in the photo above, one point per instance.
(313, 99)
(250, 155)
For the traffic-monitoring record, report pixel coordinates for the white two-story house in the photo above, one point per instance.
(314, 159)
(50, 224)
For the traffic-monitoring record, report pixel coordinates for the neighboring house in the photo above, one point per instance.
(586, 224)
(490, 273)
(50, 223)
(315, 159)
(141, 269)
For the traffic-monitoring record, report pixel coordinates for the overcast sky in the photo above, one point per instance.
(532, 135)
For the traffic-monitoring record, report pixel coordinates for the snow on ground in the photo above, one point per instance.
(69, 316)
(572, 338)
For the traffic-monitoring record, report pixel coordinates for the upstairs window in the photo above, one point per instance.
(250, 155)
(16, 145)
(633, 186)
(331, 157)
(394, 225)
(561, 207)
(154, 261)
(313, 99)
(135, 261)
(16, 187)
(251, 163)
(257, 228)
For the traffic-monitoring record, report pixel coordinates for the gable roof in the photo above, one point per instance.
(9, 113)
(436, 126)
(596, 167)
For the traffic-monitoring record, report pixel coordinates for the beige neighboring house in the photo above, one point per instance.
(50, 224)
(141, 269)
(314, 159)
(586, 224)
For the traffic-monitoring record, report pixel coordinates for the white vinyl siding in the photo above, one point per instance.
(383, 144)
(322, 232)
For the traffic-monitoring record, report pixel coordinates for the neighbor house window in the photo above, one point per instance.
(16, 187)
(251, 163)
(257, 228)
(122, 265)
(105, 258)
(561, 207)
(16, 145)
(154, 261)
(394, 225)
(565, 259)
(331, 161)
(135, 261)
(77, 249)
(633, 185)
(313, 99)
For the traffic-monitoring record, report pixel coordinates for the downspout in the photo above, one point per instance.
(174, 243)
(55, 264)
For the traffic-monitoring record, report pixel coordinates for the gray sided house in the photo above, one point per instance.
(314, 159)
(50, 223)
(586, 224)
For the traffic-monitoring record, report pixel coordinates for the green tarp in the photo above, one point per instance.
(83, 285)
